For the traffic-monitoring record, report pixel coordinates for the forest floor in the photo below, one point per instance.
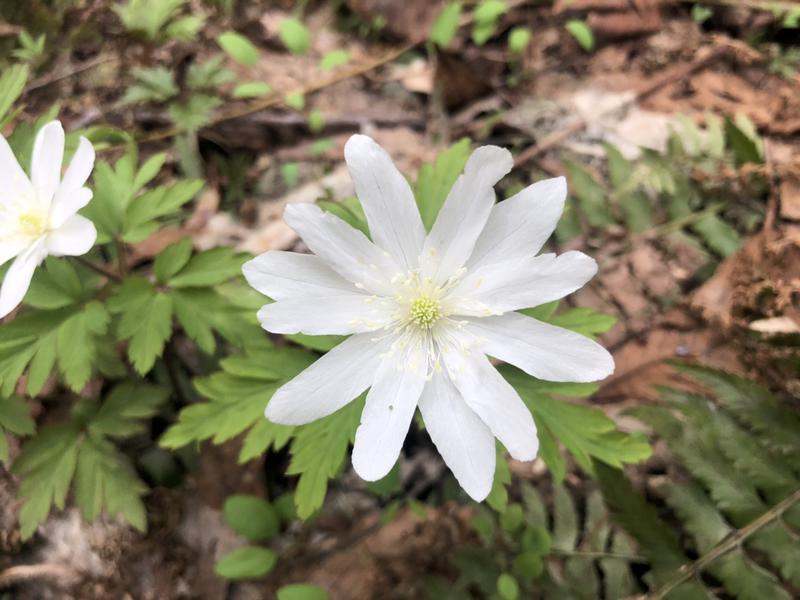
(553, 104)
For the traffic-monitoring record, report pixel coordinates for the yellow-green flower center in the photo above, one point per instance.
(425, 312)
(31, 224)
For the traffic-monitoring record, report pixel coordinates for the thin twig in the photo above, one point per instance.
(14, 575)
(97, 268)
(766, 5)
(590, 554)
(76, 70)
(690, 570)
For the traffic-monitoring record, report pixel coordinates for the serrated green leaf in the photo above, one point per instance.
(209, 268)
(172, 259)
(436, 179)
(14, 418)
(12, 84)
(318, 453)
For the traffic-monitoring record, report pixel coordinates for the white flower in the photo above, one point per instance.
(424, 312)
(37, 215)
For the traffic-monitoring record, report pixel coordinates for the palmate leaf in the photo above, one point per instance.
(237, 396)
(14, 418)
(318, 452)
(79, 449)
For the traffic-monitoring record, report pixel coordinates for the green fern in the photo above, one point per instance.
(737, 446)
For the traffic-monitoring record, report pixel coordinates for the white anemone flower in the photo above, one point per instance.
(38, 215)
(423, 311)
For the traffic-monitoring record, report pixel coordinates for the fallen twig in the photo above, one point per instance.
(76, 70)
(19, 573)
(690, 570)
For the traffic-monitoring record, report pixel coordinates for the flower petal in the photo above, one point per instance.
(387, 415)
(465, 212)
(67, 204)
(543, 350)
(18, 277)
(285, 275)
(336, 314)
(522, 283)
(464, 441)
(345, 249)
(75, 237)
(15, 181)
(71, 196)
(328, 384)
(48, 154)
(496, 403)
(11, 247)
(519, 226)
(392, 214)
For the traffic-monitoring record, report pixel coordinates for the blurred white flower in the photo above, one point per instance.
(38, 215)
(424, 312)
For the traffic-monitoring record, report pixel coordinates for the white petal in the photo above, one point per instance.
(496, 403)
(522, 283)
(340, 314)
(11, 247)
(18, 277)
(387, 415)
(48, 154)
(74, 238)
(543, 350)
(284, 275)
(348, 251)
(464, 214)
(15, 181)
(519, 226)
(464, 441)
(392, 214)
(330, 383)
(67, 204)
(71, 196)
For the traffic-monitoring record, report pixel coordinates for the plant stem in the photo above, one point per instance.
(97, 268)
(590, 554)
(690, 570)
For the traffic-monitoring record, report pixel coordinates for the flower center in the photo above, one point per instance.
(31, 224)
(424, 312)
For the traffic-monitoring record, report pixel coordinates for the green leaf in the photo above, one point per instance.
(238, 47)
(590, 195)
(518, 39)
(193, 114)
(445, 27)
(126, 407)
(585, 431)
(76, 344)
(486, 17)
(143, 212)
(743, 143)
(507, 587)
(295, 100)
(59, 285)
(246, 563)
(634, 203)
(14, 418)
(316, 121)
(12, 84)
(435, 180)
(318, 453)
(701, 14)
(251, 89)
(333, 59)
(46, 466)
(237, 397)
(585, 321)
(254, 518)
(498, 496)
(302, 591)
(209, 268)
(582, 34)
(146, 321)
(295, 36)
(172, 260)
